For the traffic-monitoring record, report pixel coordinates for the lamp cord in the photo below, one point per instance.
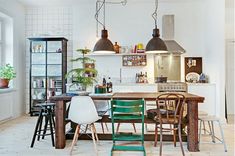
(99, 5)
(104, 15)
(154, 15)
(98, 8)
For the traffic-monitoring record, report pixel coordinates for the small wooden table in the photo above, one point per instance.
(192, 111)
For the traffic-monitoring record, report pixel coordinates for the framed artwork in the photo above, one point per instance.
(193, 68)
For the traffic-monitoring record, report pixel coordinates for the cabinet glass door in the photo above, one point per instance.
(54, 68)
(38, 72)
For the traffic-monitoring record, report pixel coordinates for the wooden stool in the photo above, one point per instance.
(46, 113)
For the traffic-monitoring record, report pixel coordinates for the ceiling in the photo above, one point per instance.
(53, 2)
(77, 2)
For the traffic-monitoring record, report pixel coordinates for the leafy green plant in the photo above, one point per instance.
(83, 75)
(7, 72)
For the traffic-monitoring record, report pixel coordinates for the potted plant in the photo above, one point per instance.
(85, 75)
(6, 74)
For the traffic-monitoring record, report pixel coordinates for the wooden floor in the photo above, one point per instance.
(15, 138)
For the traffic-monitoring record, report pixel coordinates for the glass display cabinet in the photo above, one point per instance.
(48, 67)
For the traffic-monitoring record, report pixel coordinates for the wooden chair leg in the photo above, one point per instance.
(75, 138)
(156, 135)
(174, 136)
(160, 153)
(180, 139)
(97, 139)
(134, 127)
(102, 126)
(118, 127)
(93, 137)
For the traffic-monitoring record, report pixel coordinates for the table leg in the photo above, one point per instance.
(60, 125)
(192, 126)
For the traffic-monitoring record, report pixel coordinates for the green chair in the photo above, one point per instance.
(126, 110)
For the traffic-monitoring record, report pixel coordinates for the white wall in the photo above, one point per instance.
(47, 21)
(230, 50)
(16, 11)
(199, 28)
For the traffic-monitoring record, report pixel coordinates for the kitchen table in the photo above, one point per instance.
(192, 113)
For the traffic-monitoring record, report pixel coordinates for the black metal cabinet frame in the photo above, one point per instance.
(44, 84)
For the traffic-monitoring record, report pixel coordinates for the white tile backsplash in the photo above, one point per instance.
(51, 21)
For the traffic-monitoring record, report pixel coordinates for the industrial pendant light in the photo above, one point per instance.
(156, 45)
(103, 45)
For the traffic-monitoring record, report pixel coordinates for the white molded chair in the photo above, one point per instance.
(82, 111)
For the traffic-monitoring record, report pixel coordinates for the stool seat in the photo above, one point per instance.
(208, 118)
(202, 113)
(46, 104)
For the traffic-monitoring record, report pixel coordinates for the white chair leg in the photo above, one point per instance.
(213, 131)
(75, 138)
(222, 135)
(204, 127)
(210, 130)
(200, 129)
(93, 138)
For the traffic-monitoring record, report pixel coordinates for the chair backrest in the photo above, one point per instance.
(82, 110)
(170, 106)
(127, 110)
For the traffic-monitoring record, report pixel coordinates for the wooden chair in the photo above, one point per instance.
(170, 107)
(123, 111)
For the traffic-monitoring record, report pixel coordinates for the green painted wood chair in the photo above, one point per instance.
(126, 110)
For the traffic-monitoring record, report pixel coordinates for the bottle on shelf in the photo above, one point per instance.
(104, 85)
(116, 47)
(145, 78)
(109, 86)
(104, 82)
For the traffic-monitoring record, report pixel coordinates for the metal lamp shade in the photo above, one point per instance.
(104, 45)
(156, 45)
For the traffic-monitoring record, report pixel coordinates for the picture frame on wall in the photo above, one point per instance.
(193, 69)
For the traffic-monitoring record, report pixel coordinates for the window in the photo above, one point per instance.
(1, 43)
(6, 39)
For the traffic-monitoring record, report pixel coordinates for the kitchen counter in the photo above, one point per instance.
(207, 90)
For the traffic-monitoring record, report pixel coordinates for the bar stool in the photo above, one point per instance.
(211, 120)
(203, 114)
(47, 114)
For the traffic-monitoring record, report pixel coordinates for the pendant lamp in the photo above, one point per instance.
(156, 44)
(103, 45)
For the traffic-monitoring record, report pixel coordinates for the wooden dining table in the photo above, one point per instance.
(192, 113)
